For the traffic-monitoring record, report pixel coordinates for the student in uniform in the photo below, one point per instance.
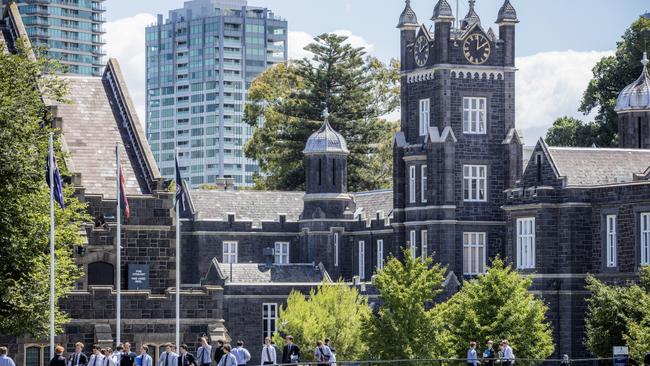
(322, 354)
(5, 360)
(218, 351)
(268, 352)
(185, 358)
(228, 359)
(96, 358)
(58, 359)
(489, 355)
(290, 352)
(241, 354)
(108, 360)
(145, 359)
(127, 358)
(508, 357)
(117, 355)
(168, 358)
(78, 357)
(472, 357)
(332, 352)
(203, 353)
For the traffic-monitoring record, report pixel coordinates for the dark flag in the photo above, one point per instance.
(124, 203)
(58, 183)
(180, 191)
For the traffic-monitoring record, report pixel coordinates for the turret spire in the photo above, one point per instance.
(442, 12)
(507, 13)
(407, 19)
(471, 18)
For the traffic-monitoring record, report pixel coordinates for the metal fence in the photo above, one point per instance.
(463, 362)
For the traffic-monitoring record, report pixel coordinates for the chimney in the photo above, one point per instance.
(225, 184)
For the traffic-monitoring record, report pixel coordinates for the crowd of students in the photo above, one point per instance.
(503, 356)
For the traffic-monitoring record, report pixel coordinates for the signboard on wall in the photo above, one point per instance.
(138, 277)
(620, 356)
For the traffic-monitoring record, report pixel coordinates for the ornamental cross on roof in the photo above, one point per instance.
(326, 112)
(645, 59)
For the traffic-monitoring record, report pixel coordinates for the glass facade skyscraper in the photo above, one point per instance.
(69, 30)
(200, 63)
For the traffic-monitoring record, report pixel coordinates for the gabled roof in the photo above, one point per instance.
(258, 273)
(98, 116)
(369, 203)
(247, 205)
(585, 167)
(434, 135)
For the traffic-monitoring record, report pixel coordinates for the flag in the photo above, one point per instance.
(124, 203)
(180, 194)
(58, 183)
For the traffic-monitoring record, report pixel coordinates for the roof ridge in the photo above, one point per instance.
(604, 149)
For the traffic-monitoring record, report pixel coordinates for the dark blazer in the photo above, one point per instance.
(127, 359)
(218, 353)
(58, 360)
(83, 359)
(286, 353)
(189, 360)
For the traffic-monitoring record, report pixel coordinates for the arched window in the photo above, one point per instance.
(100, 274)
(33, 356)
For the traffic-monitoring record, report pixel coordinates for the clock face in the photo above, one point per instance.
(477, 49)
(421, 51)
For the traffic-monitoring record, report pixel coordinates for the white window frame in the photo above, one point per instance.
(475, 115)
(526, 243)
(362, 259)
(412, 184)
(380, 254)
(424, 179)
(413, 243)
(475, 182)
(645, 238)
(229, 255)
(336, 249)
(611, 241)
(281, 252)
(424, 239)
(425, 115)
(474, 254)
(270, 319)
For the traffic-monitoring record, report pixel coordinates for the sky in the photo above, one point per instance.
(558, 41)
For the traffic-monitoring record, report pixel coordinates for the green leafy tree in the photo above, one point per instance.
(24, 212)
(572, 132)
(333, 310)
(287, 102)
(498, 305)
(406, 326)
(610, 75)
(617, 315)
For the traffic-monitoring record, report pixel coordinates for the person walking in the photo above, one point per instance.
(78, 358)
(472, 357)
(117, 354)
(268, 353)
(218, 351)
(108, 359)
(127, 358)
(322, 354)
(58, 359)
(489, 355)
(96, 358)
(204, 352)
(168, 358)
(290, 352)
(145, 359)
(185, 358)
(228, 359)
(241, 354)
(328, 344)
(508, 357)
(5, 360)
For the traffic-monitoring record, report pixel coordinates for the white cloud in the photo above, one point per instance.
(550, 85)
(299, 40)
(125, 42)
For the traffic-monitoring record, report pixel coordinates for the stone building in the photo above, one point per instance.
(460, 194)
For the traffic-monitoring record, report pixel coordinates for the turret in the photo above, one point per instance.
(471, 18)
(443, 17)
(633, 108)
(507, 19)
(408, 23)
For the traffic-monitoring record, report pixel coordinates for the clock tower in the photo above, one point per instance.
(458, 149)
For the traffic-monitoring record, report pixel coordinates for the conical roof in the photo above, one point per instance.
(442, 10)
(326, 140)
(636, 96)
(408, 17)
(471, 18)
(507, 13)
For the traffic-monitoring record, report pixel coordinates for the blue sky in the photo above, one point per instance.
(558, 41)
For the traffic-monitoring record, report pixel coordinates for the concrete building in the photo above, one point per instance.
(69, 31)
(200, 63)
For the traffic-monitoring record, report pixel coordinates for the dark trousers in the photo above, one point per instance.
(268, 363)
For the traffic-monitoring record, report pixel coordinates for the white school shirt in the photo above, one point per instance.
(268, 356)
(508, 355)
(228, 360)
(168, 359)
(204, 355)
(96, 360)
(147, 360)
(242, 355)
(325, 352)
(6, 361)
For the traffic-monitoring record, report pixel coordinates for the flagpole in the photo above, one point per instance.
(178, 258)
(51, 175)
(118, 251)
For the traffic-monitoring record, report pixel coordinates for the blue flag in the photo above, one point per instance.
(58, 183)
(180, 190)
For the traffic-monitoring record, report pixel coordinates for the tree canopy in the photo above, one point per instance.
(498, 305)
(406, 326)
(24, 212)
(333, 310)
(287, 102)
(610, 75)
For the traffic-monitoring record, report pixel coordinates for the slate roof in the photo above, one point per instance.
(369, 203)
(442, 10)
(507, 13)
(91, 129)
(262, 273)
(594, 166)
(247, 205)
(408, 16)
